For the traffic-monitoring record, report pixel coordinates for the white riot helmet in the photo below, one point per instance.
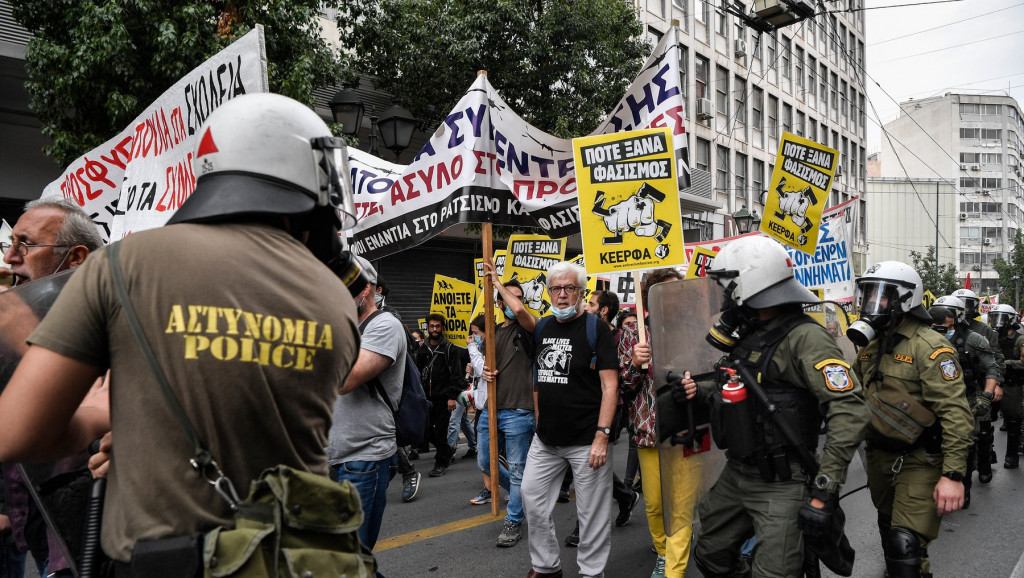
(971, 301)
(757, 272)
(955, 307)
(266, 154)
(886, 291)
(1003, 317)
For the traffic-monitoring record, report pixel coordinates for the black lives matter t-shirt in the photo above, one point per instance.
(568, 388)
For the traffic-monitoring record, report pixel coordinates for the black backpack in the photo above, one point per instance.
(413, 411)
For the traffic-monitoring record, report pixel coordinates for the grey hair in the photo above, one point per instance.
(565, 268)
(77, 229)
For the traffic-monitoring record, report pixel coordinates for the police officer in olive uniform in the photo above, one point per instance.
(1005, 321)
(971, 310)
(981, 374)
(765, 488)
(920, 422)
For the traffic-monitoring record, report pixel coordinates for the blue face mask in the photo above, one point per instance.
(949, 334)
(564, 314)
(479, 340)
(509, 313)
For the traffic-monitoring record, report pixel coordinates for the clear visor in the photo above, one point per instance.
(875, 297)
(331, 156)
(1000, 319)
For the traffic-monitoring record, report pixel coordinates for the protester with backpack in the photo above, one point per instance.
(362, 443)
(441, 364)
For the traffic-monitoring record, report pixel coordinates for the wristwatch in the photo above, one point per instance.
(825, 484)
(955, 476)
(605, 430)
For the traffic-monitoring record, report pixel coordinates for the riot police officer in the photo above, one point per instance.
(1005, 321)
(920, 422)
(981, 374)
(766, 489)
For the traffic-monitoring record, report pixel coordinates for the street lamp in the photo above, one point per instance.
(347, 110)
(745, 220)
(396, 128)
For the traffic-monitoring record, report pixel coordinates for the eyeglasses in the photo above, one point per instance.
(22, 248)
(567, 289)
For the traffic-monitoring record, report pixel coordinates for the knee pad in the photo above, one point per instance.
(903, 543)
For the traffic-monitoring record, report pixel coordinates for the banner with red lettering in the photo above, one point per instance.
(486, 164)
(137, 179)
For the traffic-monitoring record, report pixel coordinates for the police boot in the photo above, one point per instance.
(902, 554)
(984, 452)
(972, 462)
(1012, 443)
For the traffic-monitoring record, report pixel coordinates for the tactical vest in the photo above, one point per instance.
(969, 362)
(1013, 377)
(793, 404)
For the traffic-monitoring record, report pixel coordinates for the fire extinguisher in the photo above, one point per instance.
(737, 416)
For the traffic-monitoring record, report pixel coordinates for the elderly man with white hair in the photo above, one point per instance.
(577, 389)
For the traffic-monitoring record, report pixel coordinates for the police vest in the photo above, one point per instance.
(969, 362)
(1013, 377)
(794, 404)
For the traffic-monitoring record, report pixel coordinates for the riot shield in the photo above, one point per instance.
(681, 314)
(59, 489)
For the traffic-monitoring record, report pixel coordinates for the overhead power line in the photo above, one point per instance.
(951, 47)
(944, 25)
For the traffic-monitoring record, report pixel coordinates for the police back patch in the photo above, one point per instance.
(837, 378)
(949, 370)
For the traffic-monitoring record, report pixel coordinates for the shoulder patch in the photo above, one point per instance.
(903, 358)
(821, 364)
(942, 350)
(837, 378)
(950, 371)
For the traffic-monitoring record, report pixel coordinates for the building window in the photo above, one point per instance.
(741, 176)
(991, 183)
(861, 112)
(722, 91)
(703, 154)
(991, 134)
(772, 57)
(787, 118)
(801, 119)
(739, 97)
(812, 129)
(843, 109)
(684, 64)
(812, 72)
(722, 169)
(756, 108)
(701, 10)
(787, 55)
(989, 109)
(773, 117)
(833, 92)
(823, 85)
(680, 4)
(992, 158)
(968, 108)
(968, 183)
(701, 76)
(654, 35)
(970, 157)
(798, 57)
(757, 178)
(970, 133)
(721, 21)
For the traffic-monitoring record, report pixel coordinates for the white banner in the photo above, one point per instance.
(486, 164)
(137, 179)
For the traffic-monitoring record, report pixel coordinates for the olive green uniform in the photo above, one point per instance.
(741, 504)
(921, 377)
(977, 358)
(1012, 404)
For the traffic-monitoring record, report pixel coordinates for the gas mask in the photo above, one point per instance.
(731, 325)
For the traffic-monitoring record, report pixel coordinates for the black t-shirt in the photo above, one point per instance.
(568, 388)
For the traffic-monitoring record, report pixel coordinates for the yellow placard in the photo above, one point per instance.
(629, 201)
(798, 192)
(927, 298)
(699, 262)
(453, 299)
(528, 260)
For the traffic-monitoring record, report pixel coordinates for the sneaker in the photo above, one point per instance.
(510, 535)
(573, 539)
(411, 486)
(563, 496)
(626, 510)
(659, 568)
(470, 453)
(483, 497)
(438, 471)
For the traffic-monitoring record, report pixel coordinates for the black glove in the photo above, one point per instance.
(982, 405)
(678, 393)
(817, 521)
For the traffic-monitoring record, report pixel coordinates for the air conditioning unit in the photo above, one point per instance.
(975, 167)
(963, 216)
(740, 49)
(976, 267)
(963, 167)
(704, 109)
(988, 240)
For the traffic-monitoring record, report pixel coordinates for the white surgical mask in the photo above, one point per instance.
(564, 314)
(378, 298)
